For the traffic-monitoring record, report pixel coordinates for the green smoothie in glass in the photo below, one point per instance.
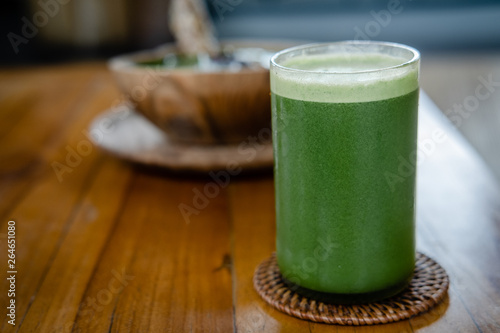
(344, 115)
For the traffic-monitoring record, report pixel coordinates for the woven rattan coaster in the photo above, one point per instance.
(427, 288)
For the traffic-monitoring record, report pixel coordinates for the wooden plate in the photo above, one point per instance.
(128, 135)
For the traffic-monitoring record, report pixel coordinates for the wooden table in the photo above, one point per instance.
(104, 246)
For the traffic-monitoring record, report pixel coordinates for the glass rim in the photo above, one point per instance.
(415, 58)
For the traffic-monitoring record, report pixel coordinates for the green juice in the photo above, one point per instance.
(341, 227)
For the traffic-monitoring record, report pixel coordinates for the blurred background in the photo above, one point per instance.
(459, 40)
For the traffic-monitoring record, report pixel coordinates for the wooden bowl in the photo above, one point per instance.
(194, 107)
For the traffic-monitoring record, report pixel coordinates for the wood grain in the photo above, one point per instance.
(107, 249)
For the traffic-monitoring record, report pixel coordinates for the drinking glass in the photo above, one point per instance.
(344, 118)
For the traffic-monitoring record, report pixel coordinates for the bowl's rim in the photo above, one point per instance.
(127, 62)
